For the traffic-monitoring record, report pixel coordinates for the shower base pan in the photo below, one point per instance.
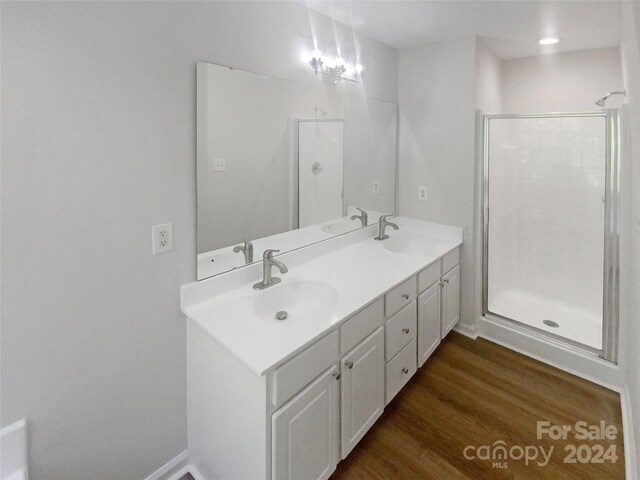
(565, 320)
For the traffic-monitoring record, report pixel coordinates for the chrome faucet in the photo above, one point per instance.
(267, 262)
(382, 225)
(363, 217)
(247, 251)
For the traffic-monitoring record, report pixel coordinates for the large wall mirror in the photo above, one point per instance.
(283, 164)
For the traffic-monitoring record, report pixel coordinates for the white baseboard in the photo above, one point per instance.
(466, 330)
(174, 469)
(13, 451)
(630, 460)
(196, 474)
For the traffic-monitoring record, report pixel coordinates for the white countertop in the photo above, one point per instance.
(225, 259)
(359, 268)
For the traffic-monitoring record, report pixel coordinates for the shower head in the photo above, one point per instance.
(601, 101)
(322, 111)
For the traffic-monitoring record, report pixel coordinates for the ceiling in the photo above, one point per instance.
(510, 28)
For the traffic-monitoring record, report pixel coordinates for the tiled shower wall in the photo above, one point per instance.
(546, 201)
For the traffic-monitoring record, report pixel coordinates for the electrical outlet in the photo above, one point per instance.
(162, 238)
(422, 193)
(376, 186)
(220, 165)
(217, 164)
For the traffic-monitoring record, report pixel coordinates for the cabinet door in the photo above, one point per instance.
(305, 432)
(428, 322)
(450, 300)
(362, 389)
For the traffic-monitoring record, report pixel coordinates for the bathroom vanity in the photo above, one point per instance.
(287, 399)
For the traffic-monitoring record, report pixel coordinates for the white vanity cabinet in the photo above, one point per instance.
(450, 299)
(428, 322)
(362, 389)
(438, 302)
(309, 436)
(297, 414)
(400, 334)
(306, 431)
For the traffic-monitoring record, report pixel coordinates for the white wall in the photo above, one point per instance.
(437, 143)
(630, 50)
(98, 144)
(563, 82)
(488, 79)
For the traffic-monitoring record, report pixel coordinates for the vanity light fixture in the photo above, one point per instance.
(548, 41)
(338, 69)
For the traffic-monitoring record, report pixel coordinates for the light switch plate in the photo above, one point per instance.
(422, 193)
(162, 238)
(376, 186)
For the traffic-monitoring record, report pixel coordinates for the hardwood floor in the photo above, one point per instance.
(474, 393)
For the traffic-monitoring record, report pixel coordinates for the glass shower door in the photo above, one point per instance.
(545, 216)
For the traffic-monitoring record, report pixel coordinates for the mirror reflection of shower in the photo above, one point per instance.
(322, 111)
(601, 101)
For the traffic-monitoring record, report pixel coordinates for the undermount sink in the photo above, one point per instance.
(299, 299)
(408, 245)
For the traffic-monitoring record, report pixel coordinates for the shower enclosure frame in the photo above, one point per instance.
(611, 254)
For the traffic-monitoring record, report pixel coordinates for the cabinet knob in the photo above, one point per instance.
(441, 284)
(349, 364)
(405, 370)
(405, 330)
(337, 375)
(405, 296)
(446, 280)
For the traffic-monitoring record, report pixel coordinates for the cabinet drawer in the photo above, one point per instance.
(429, 276)
(291, 377)
(450, 260)
(400, 296)
(399, 330)
(400, 370)
(358, 327)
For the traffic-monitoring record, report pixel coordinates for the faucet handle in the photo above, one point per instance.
(383, 218)
(245, 244)
(269, 253)
(361, 211)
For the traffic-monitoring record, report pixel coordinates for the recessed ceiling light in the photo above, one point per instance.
(548, 41)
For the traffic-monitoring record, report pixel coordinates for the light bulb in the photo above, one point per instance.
(359, 68)
(316, 54)
(340, 61)
(548, 41)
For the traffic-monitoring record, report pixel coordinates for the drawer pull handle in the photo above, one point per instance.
(337, 375)
(405, 330)
(405, 370)
(349, 364)
(405, 296)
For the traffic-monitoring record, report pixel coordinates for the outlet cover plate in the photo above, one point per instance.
(162, 238)
(422, 193)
